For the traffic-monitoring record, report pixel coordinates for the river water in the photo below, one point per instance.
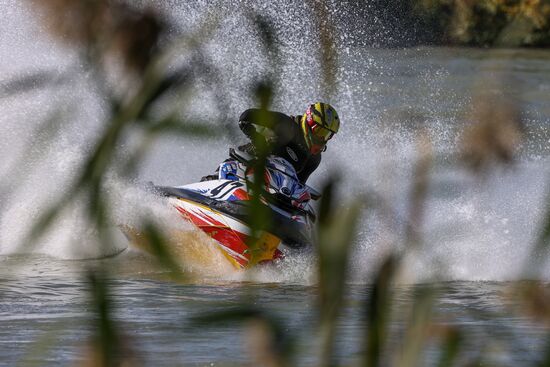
(47, 318)
(477, 232)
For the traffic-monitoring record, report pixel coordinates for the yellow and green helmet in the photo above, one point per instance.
(319, 124)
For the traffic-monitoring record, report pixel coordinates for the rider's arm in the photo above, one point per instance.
(271, 125)
(310, 166)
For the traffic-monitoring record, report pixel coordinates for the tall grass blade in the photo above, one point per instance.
(378, 312)
(336, 232)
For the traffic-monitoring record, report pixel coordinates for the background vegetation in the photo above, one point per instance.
(501, 23)
(473, 23)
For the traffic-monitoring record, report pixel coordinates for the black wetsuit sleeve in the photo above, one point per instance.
(246, 125)
(311, 165)
(282, 125)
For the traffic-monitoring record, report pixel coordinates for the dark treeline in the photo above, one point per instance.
(481, 23)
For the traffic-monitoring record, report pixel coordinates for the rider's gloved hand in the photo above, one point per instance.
(228, 171)
(247, 128)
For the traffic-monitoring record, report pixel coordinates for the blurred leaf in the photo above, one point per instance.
(451, 347)
(173, 126)
(42, 224)
(102, 156)
(533, 300)
(336, 231)
(106, 338)
(42, 137)
(266, 339)
(546, 353)
(97, 207)
(259, 214)
(539, 253)
(161, 249)
(41, 79)
(419, 192)
(417, 330)
(270, 49)
(213, 78)
(38, 350)
(264, 93)
(161, 86)
(131, 165)
(495, 134)
(88, 183)
(240, 313)
(177, 126)
(267, 344)
(328, 56)
(378, 311)
(80, 20)
(265, 29)
(326, 204)
(109, 346)
(105, 28)
(76, 22)
(136, 36)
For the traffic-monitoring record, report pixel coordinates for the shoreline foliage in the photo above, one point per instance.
(486, 23)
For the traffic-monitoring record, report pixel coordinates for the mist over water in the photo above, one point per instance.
(475, 229)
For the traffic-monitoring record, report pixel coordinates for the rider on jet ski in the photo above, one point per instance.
(298, 139)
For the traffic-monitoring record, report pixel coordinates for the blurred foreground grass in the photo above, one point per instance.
(135, 37)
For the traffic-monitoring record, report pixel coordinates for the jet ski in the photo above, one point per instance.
(221, 209)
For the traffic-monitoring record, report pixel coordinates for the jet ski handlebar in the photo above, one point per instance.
(248, 160)
(242, 157)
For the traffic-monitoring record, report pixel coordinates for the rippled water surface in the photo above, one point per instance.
(46, 318)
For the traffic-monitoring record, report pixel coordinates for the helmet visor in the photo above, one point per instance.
(320, 133)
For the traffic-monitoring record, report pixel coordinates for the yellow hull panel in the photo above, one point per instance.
(193, 250)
